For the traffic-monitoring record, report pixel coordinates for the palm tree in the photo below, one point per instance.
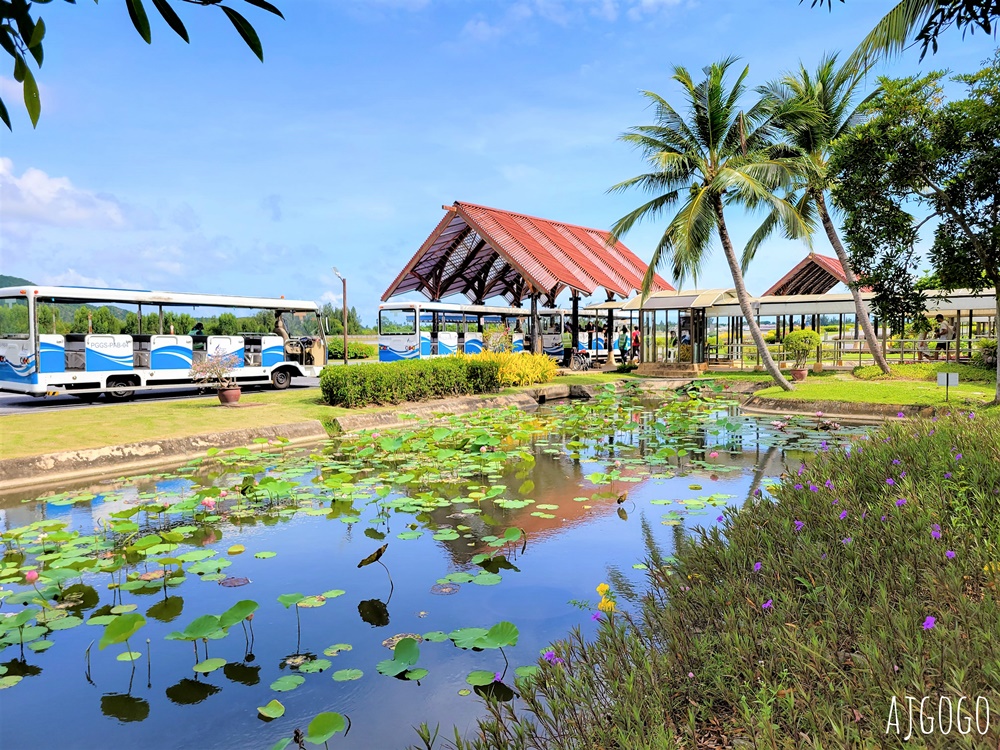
(720, 155)
(832, 91)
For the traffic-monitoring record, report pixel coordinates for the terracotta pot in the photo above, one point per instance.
(799, 375)
(229, 395)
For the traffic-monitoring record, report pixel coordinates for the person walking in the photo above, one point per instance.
(636, 342)
(623, 342)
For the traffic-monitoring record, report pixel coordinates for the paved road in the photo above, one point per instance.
(13, 404)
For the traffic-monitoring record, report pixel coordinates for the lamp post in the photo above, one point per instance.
(344, 305)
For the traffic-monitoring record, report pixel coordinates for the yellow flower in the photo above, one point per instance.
(993, 567)
(606, 605)
(603, 589)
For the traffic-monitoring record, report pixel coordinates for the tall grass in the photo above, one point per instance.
(878, 578)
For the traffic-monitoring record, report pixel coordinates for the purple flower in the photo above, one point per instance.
(900, 415)
(972, 415)
(958, 456)
(846, 541)
(823, 445)
(890, 481)
(802, 467)
(690, 674)
(813, 488)
(798, 486)
(936, 532)
(719, 519)
(901, 502)
(902, 474)
(596, 616)
(828, 484)
(843, 515)
(756, 567)
(883, 518)
(895, 462)
(929, 622)
(950, 554)
(767, 605)
(947, 475)
(497, 676)
(799, 525)
(864, 515)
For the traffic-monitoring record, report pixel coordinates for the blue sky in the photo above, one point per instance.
(196, 168)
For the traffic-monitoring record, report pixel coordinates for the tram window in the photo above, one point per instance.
(14, 318)
(397, 322)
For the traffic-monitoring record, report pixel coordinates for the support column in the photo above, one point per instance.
(609, 338)
(576, 320)
(536, 335)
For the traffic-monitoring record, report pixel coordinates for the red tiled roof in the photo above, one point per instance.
(485, 252)
(814, 274)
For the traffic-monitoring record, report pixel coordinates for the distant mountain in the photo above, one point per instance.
(13, 281)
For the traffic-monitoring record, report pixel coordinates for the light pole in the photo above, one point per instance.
(344, 304)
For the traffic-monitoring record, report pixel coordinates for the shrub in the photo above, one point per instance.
(355, 349)
(800, 344)
(985, 354)
(417, 380)
(926, 371)
(518, 369)
(866, 591)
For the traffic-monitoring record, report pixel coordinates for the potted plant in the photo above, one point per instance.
(216, 371)
(799, 345)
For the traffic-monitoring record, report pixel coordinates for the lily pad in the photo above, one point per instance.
(287, 682)
(273, 710)
(347, 675)
(209, 665)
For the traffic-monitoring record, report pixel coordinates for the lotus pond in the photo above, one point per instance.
(345, 594)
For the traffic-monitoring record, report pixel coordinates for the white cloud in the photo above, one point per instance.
(72, 277)
(332, 297)
(37, 198)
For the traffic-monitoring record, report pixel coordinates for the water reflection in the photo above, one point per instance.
(588, 506)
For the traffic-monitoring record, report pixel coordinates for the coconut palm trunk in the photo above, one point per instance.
(860, 308)
(744, 299)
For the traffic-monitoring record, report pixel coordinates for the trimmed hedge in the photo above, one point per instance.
(355, 349)
(417, 380)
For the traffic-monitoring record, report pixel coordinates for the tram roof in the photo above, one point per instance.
(147, 297)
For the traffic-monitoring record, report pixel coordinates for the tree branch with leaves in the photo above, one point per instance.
(22, 33)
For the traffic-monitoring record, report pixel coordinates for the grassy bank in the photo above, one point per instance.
(848, 389)
(71, 429)
(796, 622)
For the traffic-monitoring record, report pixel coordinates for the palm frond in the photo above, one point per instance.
(650, 210)
(890, 35)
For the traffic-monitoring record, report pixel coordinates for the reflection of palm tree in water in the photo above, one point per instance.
(761, 471)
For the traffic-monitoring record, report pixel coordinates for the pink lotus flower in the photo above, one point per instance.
(713, 454)
(208, 503)
(482, 449)
(223, 493)
(31, 576)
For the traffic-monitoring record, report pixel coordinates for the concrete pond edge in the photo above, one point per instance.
(116, 460)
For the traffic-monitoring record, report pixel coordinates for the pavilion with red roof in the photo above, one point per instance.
(482, 252)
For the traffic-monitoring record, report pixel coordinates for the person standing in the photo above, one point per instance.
(945, 333)
(636, 342)
(623, 343)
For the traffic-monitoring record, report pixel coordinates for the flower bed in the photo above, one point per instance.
(872, 577)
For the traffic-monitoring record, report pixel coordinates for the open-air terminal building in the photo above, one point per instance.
(486, 253)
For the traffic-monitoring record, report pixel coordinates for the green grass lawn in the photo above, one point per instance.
(72, 429)
(904, 392)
